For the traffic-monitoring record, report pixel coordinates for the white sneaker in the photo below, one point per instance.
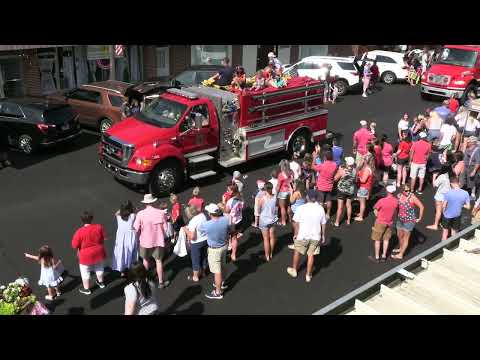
(364, 95)
(292, 272)
(291, 246)
(308, 278)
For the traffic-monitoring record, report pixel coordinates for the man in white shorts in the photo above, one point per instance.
(419, 154)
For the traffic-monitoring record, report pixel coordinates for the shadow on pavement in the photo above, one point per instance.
(75, 281)
(76, 311)
(20, 160)
(187, 294)
(196, 308)
(107, 295)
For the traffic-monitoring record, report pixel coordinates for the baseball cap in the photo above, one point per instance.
(363, 122)
(271, 54)
(236, 174)
(260, 184)
(422, 135)
(312, 194)
(212, 209)
(349, 160)
(391, 189)
(472, 139)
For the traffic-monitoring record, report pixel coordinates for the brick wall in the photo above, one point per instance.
(149, 62)
(31, 74)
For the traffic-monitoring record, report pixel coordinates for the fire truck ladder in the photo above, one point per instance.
(439, 281)
(305, 99)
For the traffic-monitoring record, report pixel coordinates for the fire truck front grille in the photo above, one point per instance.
(116, 150)
(439, 79)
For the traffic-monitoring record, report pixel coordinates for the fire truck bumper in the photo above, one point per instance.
(442, 92)
(130, 176)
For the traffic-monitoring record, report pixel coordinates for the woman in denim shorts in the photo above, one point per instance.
(407, 202)
(284, 189)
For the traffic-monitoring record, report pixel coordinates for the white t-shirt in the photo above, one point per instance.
(403, 124)
(143, 306)
(323, 73)
(468, 125)
(448, 131)
(194, 224)
(296, 168)
(310, 217)
(236, 209)
(274, 182)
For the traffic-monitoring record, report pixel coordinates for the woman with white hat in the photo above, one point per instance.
(346, 176)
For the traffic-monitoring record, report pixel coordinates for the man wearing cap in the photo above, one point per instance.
(384, 210)
(472, 165)
(419, 153)
(149, 223)
(361, 138)
(309, 235)
(277, 63)
(217, 230)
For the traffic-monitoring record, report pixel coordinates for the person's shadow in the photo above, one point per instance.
(186, 295)
(328, 253)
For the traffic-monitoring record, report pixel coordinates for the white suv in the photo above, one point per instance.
(390, 65)
(343, 68)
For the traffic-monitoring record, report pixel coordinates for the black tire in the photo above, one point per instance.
(104, 125)
(426, 96)
(27, 144)
(342, 86)
(300, 142)
(464, 97)
(166, 178)
(388, 77)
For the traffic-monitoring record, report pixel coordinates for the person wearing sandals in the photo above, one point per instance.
(346, 177)
(309, 235)
(125, 251)
(325, 174)
(234, 209)
(284, 189)
(267, 208)
(406, 220)
(384, 210)
(365, 179)
(453, 201)
(197, 241)
(141, 297)
(296, 199)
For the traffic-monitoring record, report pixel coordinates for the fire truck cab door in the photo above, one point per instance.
(195, 131)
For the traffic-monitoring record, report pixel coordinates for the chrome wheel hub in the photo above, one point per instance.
(26, 144)
(166, 180)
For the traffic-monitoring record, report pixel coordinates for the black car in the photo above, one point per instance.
(31, 123)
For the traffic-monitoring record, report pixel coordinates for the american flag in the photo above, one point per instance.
(119, 50)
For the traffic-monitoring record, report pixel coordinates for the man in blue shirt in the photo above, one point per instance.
(337, 151)
(444, 110)
(453, 202)
(217, 230)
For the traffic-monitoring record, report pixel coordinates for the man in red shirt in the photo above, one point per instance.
(361, 138)
(88, 240)
(419, 154)
(384, 210)
(325, 174)
(453, 104)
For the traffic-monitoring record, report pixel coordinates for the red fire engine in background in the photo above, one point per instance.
(190, 132)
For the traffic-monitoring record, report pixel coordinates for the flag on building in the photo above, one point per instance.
(119, 50)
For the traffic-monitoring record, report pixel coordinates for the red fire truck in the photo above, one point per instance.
(190, 132)
(456, 72)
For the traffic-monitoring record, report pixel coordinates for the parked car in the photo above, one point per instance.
(148, 90)
(390, 64)
(195, 75)
(343, 68)
(32, 123)
(97, 104)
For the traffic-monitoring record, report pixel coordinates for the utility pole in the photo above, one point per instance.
(112, 62)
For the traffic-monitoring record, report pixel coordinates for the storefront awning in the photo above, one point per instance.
(24, 47)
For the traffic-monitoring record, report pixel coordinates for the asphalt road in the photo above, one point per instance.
(43, 195)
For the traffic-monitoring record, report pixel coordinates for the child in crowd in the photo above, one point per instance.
(239, 80)
(227, 195)
(256, 209)
(177, 218)
(295, 166)
(234, 209)
(308, 174)
(168, 226)
(434, 164)
(259, 81)
(196, 200)
(333, 92)
(373, 128)
(236, 180)
(50, 271)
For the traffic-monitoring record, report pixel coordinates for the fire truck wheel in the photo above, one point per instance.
(105, 124)
(342, 87)
(300, 143)
(166, 178)
(388, 77)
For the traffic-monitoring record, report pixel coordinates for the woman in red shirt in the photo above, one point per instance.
(177, 218)
(403, 155)
(88, 240)
(284, 189)
(386, 157)
(325, 177)
(365, 178)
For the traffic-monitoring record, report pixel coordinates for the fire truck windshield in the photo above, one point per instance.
(162, 113)
(458, 57)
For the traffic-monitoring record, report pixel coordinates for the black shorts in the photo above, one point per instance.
(344, 196)
(324, 196)
(402, 162)
(453, 223)
(177, 225)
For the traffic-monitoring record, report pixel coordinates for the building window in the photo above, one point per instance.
(284, 54)
(210, 54)
(313, 50)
